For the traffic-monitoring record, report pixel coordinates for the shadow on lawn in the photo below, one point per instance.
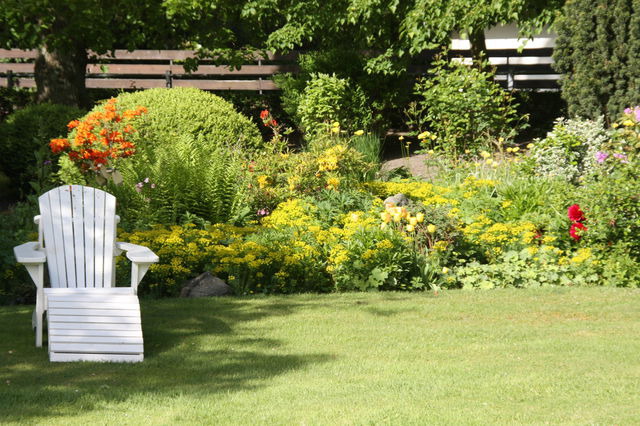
(192, 348)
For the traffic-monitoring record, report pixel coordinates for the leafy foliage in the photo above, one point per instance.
(327, 99)
(24, 140)
(464, 108)
(597, 50)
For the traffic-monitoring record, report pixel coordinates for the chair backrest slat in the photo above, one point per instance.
(98, 259)
(79, 236)
(66, 217)
(109, 243)
(89, 236)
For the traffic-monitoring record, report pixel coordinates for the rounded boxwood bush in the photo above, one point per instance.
(28, 131)
(187, 112)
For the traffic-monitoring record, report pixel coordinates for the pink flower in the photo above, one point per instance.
(601, 156)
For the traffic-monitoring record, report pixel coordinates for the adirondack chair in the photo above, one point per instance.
(88, 318)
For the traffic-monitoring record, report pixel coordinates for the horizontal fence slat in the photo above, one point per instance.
(531, 68)
(17, 54)
(227, 84)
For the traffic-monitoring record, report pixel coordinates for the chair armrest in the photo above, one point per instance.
(29, 253)
(138, 254)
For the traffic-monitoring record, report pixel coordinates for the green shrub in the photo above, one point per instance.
(570, 150)
(598, 53)
(611, 202)
(174, 113)
(327, 99)
(189, 148)
(16, 227)
(24, 140)
(464, 108)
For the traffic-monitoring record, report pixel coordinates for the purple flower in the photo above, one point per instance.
(635, 111)
(47, 162)
(621, 157)
(139, 186)
(146, 180)
(601, 156)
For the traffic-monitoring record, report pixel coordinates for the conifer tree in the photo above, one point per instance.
(598, 51)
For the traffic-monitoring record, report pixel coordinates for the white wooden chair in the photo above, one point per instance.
(88, 318)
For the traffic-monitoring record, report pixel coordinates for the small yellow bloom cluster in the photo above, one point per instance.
(423, 191)
(400, 214)
(427, 135)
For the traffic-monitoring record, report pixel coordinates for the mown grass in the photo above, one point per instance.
(557, 355)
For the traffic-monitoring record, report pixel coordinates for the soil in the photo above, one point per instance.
(415, 164)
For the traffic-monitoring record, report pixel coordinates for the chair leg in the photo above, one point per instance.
(38, 327)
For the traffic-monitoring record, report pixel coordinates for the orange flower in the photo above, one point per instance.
(58, 145)
(73, 124)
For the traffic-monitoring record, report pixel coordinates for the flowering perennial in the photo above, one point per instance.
(99, 138)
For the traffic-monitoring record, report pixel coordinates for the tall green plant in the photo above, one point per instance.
(179, 183)
(464, 108)
(598, 53)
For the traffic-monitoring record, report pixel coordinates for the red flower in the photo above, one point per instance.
(273, 123)
(575, 214)
(573, 231)
(264, 114)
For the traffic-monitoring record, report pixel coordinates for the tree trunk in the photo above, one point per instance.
(479, 48)
(60, 75)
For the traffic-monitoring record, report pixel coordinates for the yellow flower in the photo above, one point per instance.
(334, 182)
(335, 130)
(401, 138)
(506, 203)
(263, 181)
(385, 216)
(431, 228)
(335, 124)
(615, 125)
(485, 154)
(516, 149)
(410, 228)
(628, 123)
(423, 135)
(359, 132)
(397, 218)
(413, 221)
(489, 161)
(529, 146)
(354, 217)
(445, 270)
(431, 152)
(420, 217)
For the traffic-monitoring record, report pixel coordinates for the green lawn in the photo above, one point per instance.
(558, 355)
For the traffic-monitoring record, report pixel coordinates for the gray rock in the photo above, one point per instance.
(205, 285)
(397, 200)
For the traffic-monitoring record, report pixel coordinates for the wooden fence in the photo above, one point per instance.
(142, 69)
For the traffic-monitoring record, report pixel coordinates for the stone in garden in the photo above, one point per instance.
(397, 200)
(205, 285)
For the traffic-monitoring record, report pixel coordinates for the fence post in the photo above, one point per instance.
(510, 78)
(168, 78)
(260, 78)
(9, 79)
